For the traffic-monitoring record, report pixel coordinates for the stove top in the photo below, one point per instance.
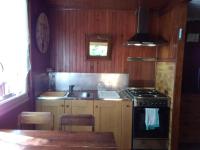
(145, 93)
(146, 97)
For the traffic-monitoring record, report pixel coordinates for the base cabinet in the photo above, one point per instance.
(56, 107)
(116, 117)
(81, 107)
(126, 125)
(110, 116)
(61, 107)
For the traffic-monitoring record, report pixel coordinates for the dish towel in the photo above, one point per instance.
(151, 118)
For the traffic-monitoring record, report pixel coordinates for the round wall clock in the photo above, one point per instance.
(42, 33)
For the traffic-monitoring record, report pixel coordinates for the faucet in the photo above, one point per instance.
(71, 90)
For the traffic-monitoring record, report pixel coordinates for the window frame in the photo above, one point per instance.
(12, 103)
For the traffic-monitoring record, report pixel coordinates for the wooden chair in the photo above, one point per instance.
(77, 120)
(35, 118)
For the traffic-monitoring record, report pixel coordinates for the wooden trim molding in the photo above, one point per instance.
(181, 11)
(12, 103)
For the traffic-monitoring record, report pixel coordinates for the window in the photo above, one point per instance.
(98, 46)
(14, 48)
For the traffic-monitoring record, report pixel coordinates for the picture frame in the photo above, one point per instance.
(98, 46)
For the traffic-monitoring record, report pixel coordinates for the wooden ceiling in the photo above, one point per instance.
(108, 4)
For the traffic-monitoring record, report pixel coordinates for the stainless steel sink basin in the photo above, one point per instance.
(81, 95)
(85, 94)
(63, 95)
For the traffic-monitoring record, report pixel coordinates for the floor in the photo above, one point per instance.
(191, 146)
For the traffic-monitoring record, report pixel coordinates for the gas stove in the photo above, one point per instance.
(146, 97)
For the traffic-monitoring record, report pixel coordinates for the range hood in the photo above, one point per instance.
(143, 37)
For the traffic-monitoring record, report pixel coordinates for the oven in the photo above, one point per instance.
(139, 130)
(145, 100)
(150, 139)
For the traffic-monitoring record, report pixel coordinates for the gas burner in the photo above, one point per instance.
(145, 93)
(147, 97)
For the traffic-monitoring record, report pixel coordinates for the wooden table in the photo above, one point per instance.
(55, 140)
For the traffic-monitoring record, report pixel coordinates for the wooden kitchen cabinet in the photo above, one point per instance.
(82, 107)
(60, 107)
(110, 116)
(126, 125)
(116, 117)
(56, 107)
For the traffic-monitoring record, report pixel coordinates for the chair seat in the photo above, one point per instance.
(35, 118)
(77, 120)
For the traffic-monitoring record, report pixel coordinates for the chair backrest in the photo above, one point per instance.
(35, 118)
(77, 120)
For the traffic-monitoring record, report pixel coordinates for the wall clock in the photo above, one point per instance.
(42, 33)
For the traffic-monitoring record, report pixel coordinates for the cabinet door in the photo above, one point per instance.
(108, 118)
(67, 110)
(82, 107)
(38, 105)
(56, 107)
(126, 125)
(39, 109)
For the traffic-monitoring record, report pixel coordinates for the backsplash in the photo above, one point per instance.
(40, 83)
(165, 72)
(90, 81)
(165, 75)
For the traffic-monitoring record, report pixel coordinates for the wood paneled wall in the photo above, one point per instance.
(168, 30)
(190, 99)
(109, 4)
(190, 114)
(170, 22)
(68, 53)
(39, 61)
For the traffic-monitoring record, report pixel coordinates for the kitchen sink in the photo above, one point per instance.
(66, 95)
(80, 94)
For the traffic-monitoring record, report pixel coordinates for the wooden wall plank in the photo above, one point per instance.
(108, 4)
(68, 51)
(171, 21)
(190, 118)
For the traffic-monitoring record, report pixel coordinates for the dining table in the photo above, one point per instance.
(55, 140)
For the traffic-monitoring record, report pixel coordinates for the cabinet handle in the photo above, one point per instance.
(62, 105)
(96, 106)
(67, 106)
(128, 106)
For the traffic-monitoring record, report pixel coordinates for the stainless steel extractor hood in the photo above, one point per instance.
(143, 37)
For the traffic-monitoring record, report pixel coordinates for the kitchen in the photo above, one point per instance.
(69, 23)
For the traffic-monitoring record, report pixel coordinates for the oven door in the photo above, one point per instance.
(139, 127)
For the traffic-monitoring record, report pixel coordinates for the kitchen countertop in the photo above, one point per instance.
(93, 95)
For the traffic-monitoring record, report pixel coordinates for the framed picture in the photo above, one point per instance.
(98, 46)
